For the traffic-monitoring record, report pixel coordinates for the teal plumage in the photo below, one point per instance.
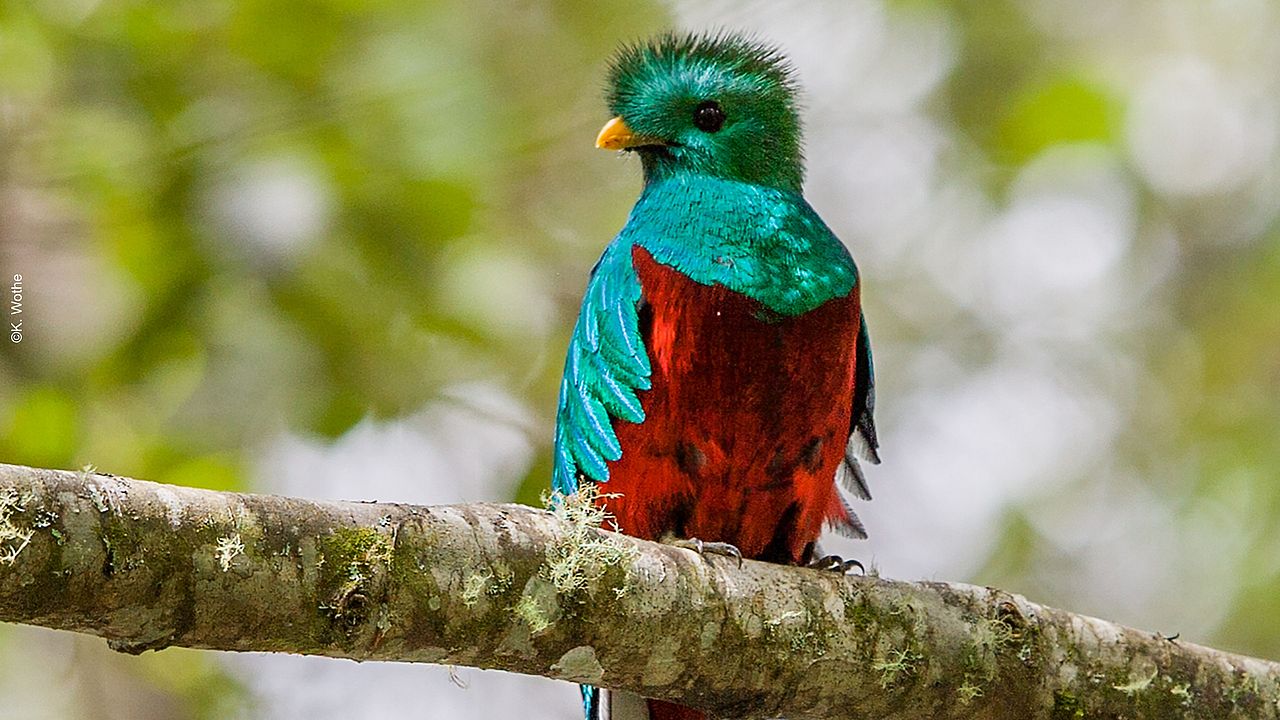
(607, 365)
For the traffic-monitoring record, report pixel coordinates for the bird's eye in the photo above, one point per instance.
(708, 116)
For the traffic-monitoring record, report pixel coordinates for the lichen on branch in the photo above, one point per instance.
(548, 593)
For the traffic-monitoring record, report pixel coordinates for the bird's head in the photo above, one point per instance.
(721, 105)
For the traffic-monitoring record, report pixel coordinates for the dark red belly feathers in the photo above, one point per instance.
(745, 423)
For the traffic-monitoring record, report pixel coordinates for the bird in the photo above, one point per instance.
(718, 387)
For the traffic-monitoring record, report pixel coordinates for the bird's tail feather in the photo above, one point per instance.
(602, 704)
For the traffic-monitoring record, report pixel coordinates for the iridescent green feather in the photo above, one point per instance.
(607, 365)
(764, 242)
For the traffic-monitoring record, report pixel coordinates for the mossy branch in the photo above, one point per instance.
(148, 566)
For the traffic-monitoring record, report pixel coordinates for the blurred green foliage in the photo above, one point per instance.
(1061, 110)
(423, 132)
(1233, 420)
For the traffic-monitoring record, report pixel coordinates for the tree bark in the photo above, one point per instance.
(147, 566)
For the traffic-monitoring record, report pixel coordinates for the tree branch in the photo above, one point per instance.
(147, 566)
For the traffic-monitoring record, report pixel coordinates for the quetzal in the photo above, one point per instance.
(719, 379)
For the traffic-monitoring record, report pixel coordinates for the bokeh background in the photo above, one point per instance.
(334, 249)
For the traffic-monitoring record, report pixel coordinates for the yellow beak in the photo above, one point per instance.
(615, 135)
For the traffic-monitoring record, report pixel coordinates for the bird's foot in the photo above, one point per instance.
(835, 563)
(707, 548)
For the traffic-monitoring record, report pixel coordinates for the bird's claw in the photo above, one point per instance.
(709, 548)
(835, 563)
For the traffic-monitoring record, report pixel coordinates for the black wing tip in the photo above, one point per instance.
(852, 479)
(863, 442)
(850, 526)
(872, 454)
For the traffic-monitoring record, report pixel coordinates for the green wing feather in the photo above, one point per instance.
(607, 365)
